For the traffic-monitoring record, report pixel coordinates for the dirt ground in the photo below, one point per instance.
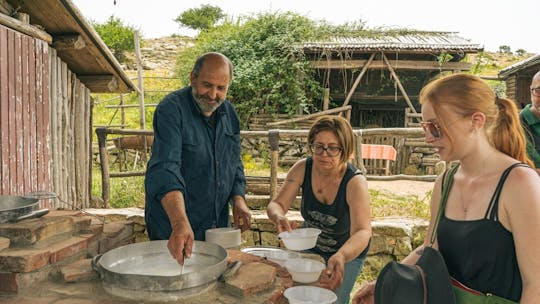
(402, 187)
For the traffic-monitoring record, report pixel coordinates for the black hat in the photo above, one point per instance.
(426, 282)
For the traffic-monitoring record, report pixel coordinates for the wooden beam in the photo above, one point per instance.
(24, 28)
(401, 65)
(307, 117)
(68, 42)
(99, 83)
(6, 8)
(357, 81)
(398, 82)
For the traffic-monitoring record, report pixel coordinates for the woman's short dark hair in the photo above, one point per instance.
(342, 130)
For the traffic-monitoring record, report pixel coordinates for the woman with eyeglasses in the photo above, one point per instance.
(335, 199)
(489, 231)
(530, 119)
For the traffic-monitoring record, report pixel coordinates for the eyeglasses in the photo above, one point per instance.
(535, 91)
(433, 128)
(330, 150)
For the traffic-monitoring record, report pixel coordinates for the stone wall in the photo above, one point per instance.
(392, 238)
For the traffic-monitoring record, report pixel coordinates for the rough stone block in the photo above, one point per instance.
(251, 278)
(4, 243)
(269, 239)
(79, 271)
(29, 232)
(23, 260)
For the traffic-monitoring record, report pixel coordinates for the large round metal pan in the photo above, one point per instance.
(149, 266)
(12, 207)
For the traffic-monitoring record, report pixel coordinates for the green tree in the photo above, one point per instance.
(505, 49)
(202, 18)
(116, 35)
(520, 52)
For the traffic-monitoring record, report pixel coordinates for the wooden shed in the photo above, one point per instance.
(51, 59)
(518, 79)
(382, 75)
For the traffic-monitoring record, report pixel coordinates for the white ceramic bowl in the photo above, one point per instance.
(309, 295)
(225, 237)
(300, 239)
(304, 270)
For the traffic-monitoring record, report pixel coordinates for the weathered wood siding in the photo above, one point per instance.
(24, 116)
(40, 99)
(70, 134)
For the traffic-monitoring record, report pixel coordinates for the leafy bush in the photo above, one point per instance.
(271, 74)
(117, 36)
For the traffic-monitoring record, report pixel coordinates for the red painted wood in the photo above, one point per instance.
(18, 132)
(32, 113)
(46, 120)
(4, 110)
(26, 124)
(11, 110)
(39, 118)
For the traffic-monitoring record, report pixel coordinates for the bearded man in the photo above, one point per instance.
(195, 170)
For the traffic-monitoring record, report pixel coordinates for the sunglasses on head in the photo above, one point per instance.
(433, 128)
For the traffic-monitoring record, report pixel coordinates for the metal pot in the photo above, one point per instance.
(14, 208)
(140, 268)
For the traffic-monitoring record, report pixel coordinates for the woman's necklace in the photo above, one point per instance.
(330, 180)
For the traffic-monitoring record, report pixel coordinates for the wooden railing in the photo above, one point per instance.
(395, 137)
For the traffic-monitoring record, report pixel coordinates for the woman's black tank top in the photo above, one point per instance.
(334, 219)
(481, 253)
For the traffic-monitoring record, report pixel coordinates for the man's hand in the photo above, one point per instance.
(241, 214)
(180, 243)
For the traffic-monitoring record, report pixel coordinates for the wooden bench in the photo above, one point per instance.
(373, 155)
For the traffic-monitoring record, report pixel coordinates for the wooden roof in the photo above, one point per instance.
(76, 43)
(414, 42)
(528, 66)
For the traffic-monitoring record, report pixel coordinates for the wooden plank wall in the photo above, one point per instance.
(24, 119)
(70, 116)
(45, 118)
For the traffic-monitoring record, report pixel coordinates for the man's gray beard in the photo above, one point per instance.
(205, 107)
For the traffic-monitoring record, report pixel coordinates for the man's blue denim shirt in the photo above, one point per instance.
(196, 158)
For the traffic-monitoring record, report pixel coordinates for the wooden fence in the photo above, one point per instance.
(396, 137)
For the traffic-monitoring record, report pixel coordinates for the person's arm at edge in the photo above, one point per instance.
(522, 207)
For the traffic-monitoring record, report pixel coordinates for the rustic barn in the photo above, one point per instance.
(51, 59)
(382, 75)
(518, 79)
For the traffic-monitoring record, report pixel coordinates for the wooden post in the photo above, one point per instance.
(104, 162)
(359, 160)
(396, 79)
(273, 140)
(357, 81)
(141, 90)
(326, 99)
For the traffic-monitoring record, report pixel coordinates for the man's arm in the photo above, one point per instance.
(180, 243)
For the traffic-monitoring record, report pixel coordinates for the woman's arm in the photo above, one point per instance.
(520, 200)
(279, 205)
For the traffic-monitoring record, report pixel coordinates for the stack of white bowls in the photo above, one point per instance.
(228, 238)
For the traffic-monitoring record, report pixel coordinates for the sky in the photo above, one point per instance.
(489, 23)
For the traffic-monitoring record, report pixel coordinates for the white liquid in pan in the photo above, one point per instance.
(161, 264)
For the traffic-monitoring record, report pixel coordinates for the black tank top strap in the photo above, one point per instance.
(492, 211)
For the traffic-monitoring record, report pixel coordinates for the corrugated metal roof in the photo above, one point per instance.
(534, 60)
(408, 41)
